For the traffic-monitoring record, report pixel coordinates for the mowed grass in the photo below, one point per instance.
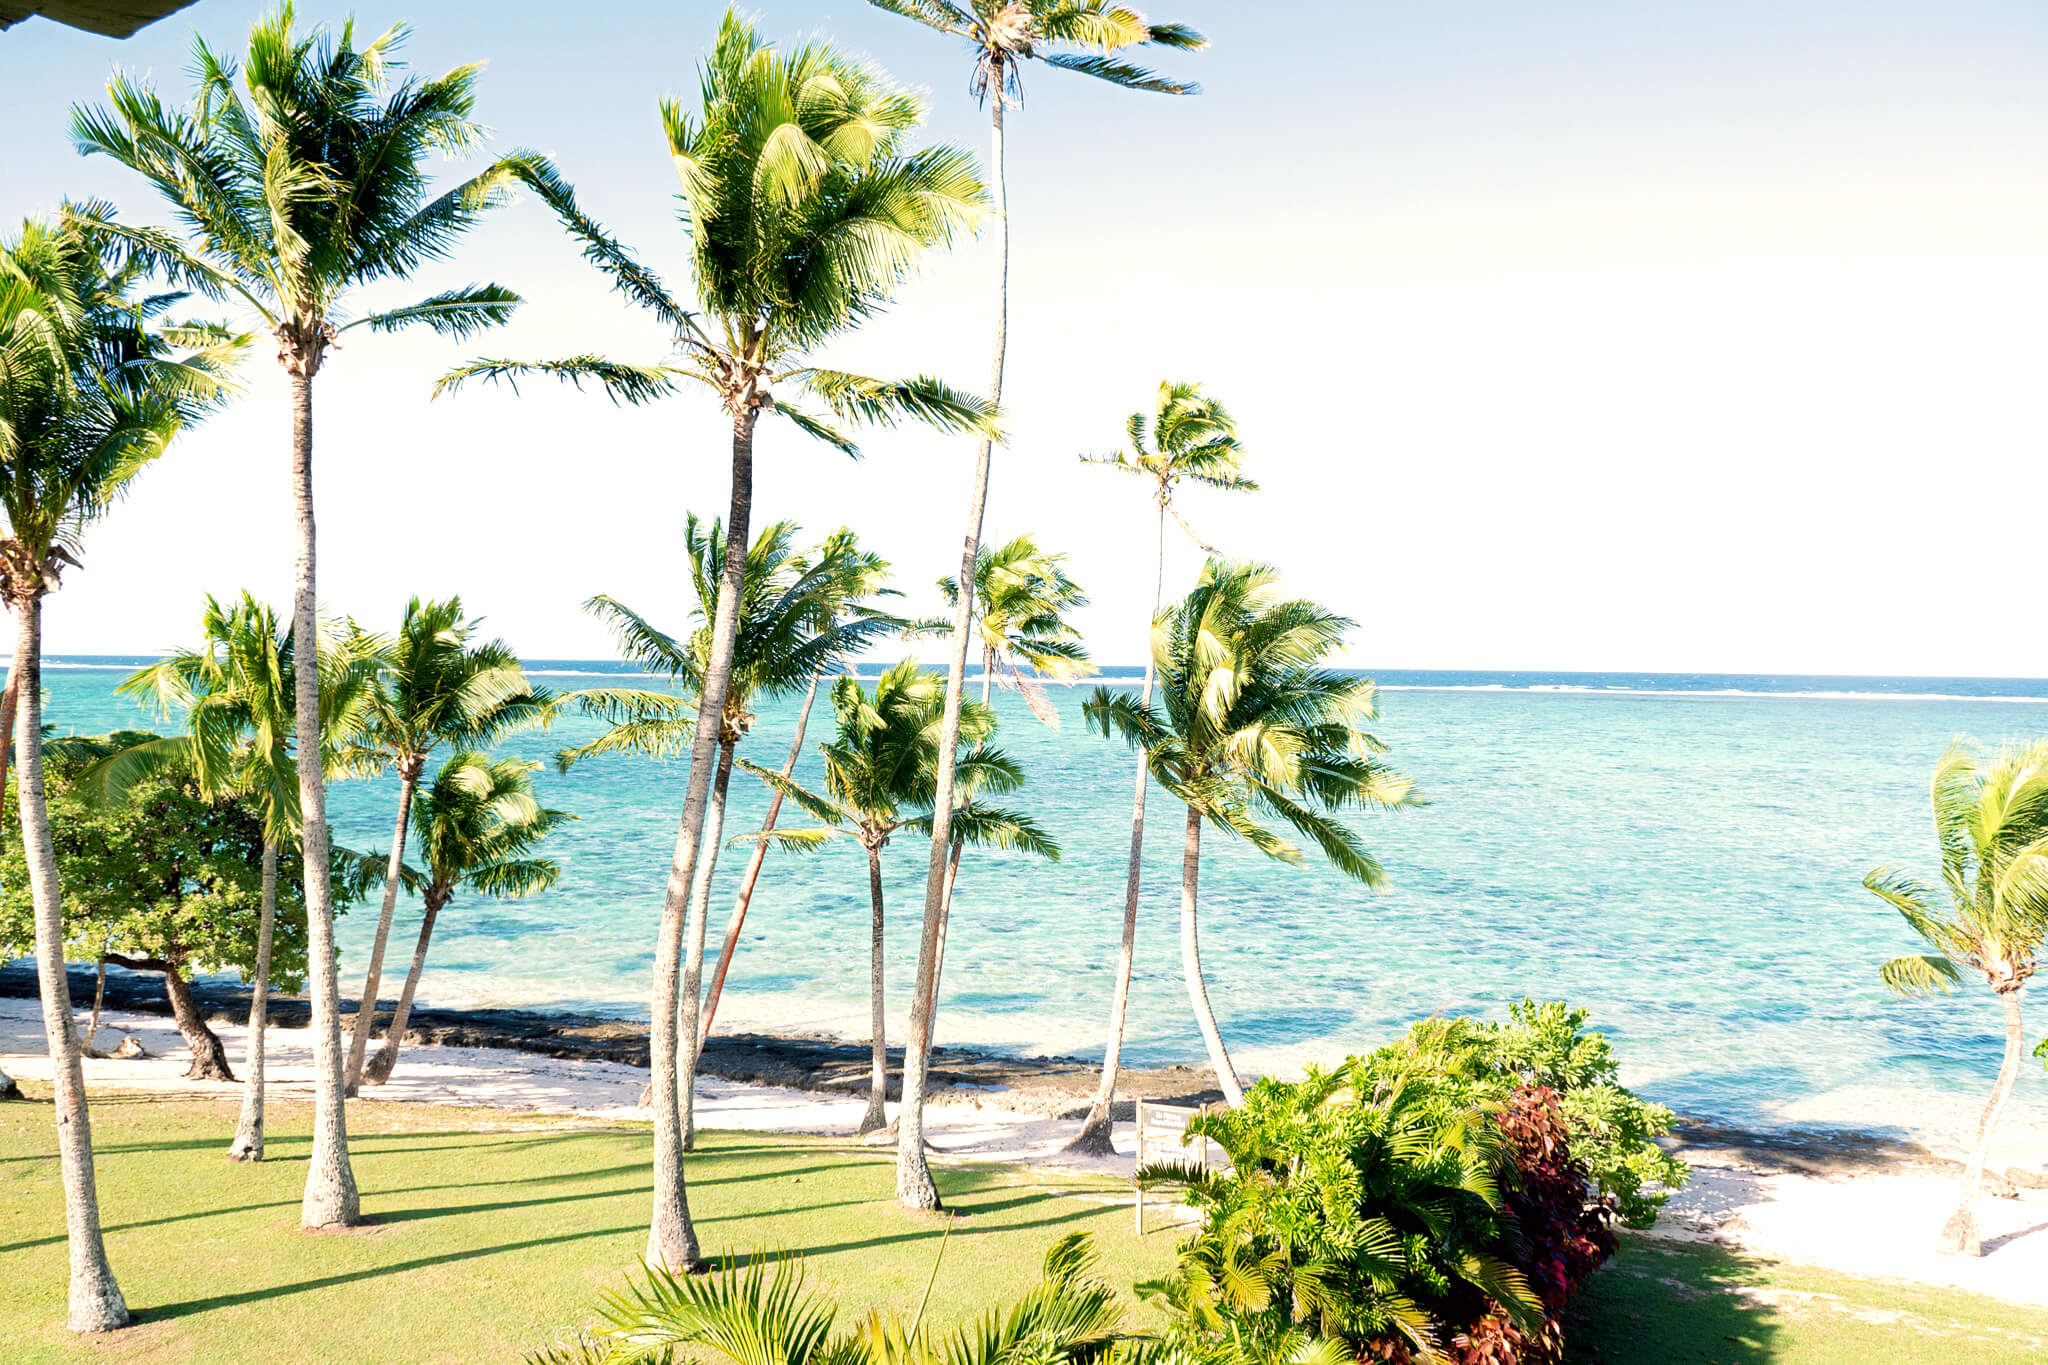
(495, 1233)
(489, 1235)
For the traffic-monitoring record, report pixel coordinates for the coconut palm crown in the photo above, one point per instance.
(1189, 437)
(1022, 597)
(298, 175)
(805, 212)
(1991, 823)
(1252, 727)
(1074, 35)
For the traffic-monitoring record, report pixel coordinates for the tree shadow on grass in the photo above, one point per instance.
(1665, 1301)
(184, 1308)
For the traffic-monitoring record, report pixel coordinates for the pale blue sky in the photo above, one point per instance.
(1700, 337)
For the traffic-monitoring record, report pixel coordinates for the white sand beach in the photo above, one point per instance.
(1880, 1224)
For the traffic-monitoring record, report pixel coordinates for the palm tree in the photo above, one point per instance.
(1191, 438)
(1021, 597)
(1254, 725)
(477, 826)
(237, 693)
(758, 1308)
(93, 387)
(1001, 35)
(881, 773)
(805, 213)
(308, 185)
(1991, 821)
(777, 648)
(435, 687)
(846, 577)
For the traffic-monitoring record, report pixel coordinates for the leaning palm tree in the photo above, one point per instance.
(93, 387)
(1254, 725)
(1991, 821)
(477, 826)
(881, 774)
(1191, 438)
(435, 686)
(237, 694)
(777, 648)
(845, 577)
(805, 213)
(1001, 35)
(298, 177)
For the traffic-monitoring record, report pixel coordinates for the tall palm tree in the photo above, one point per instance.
(237, 693)
(1191, 438)
(1001, 35)
(805, 213)
(846, 578)
(93, 387)
(777, 648)
(298, 177)
(881, 774)
(477, 825)
(1991, 821)
(434, 687)
(1252, 724)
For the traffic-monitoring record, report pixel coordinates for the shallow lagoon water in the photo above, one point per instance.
(1680, 855)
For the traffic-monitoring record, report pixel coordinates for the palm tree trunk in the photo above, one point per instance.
(330, 1199)
(914, 1184)
(1959, 1236)
(96, 1304)
(988, 665)
(693, 957)
(379, 1069)
(1097, 1130)
(671, 1240)
(366, 1010)
(8, 1089)
(99, 998)
(248, 1143)
(753, 872)
(877, 1116)
(1191, 962)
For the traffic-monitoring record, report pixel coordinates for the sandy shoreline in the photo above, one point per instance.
(1866, 1206)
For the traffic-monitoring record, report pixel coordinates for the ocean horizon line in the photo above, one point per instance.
(1609, 683)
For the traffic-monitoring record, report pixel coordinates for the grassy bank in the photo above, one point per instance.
(491, 1232)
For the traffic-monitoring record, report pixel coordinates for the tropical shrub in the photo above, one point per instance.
(1613, 1132)
(1441, 1198)
(758, 1309)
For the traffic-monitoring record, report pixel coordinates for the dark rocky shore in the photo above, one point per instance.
(1059, 1087)
(1051, 1086)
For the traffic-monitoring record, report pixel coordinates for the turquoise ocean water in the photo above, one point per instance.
(1680, 854)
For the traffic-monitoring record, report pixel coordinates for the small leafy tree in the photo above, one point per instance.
(162, 880)
(1991, 823)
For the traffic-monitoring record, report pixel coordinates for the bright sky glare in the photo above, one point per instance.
(1681, 337)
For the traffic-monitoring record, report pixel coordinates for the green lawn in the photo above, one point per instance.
(491, 1233)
